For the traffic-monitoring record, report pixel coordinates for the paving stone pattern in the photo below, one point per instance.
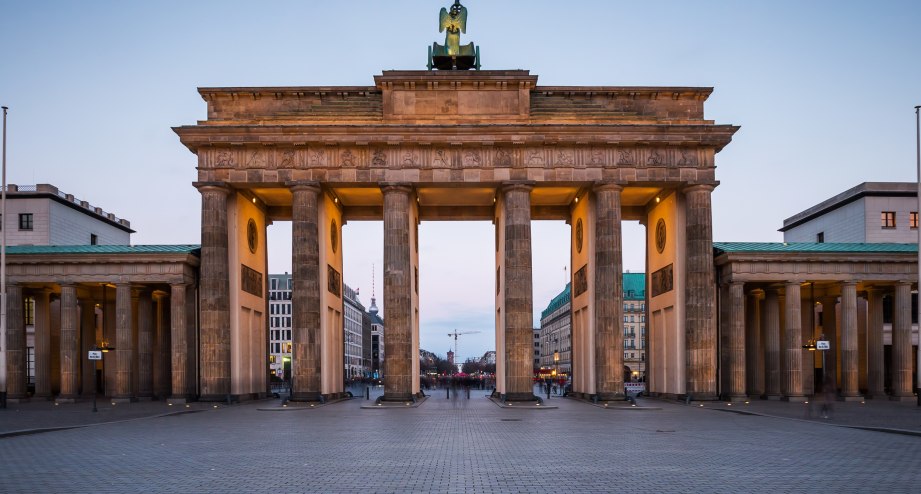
(460, 445)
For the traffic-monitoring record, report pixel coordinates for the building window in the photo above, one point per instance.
(25, 221)
(30, 311)
(820, 238)
(888, 219)
(913, 219)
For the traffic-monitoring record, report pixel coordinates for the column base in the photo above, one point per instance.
(121, 400)
(520, 397)
(857, 398)
(178, 400)
(737, 399)
(903, 399)
(304, 396)
(398, 397)
(772, 397)
(66, 399)
(703, 396)
(611, 396)
(795, 399)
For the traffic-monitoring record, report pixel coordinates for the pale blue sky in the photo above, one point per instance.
(824, 92)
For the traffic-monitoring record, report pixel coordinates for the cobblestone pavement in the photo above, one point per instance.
(460, 445)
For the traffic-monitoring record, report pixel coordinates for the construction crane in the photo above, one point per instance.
(455, 334)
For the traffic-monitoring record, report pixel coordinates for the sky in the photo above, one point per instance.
(824, 92)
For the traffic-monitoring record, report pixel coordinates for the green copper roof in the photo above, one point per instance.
(557, 302)
(103, 249)
(780, 247)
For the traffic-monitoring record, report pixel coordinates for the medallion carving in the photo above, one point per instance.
(579, 236)
(660, 235)
(252, 235)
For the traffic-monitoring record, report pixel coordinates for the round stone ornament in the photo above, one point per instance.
(660, 235)
(252, 235)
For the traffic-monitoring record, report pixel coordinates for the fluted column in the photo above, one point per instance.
(793, 344)
(700, 294)
(609, 293)
(398, 277)
(161, 357)
(215, 293)
(145, 345)
(518, 291)
(770, 322)
(15, 345)
(70, 344)
(754, 350)
(87, 341)
(181, 380)
(124, 348)
(875, 349)
(305, 294)
(830, 330)
(849, 358)
(42, 344)
(901, 343)
(737, 341)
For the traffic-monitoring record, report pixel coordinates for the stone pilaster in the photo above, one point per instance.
(518, 292)
(770, 322)
(875, 349)
(124, 348)
(145, 345)
(901, 343)
(305, 295)
(15, 345)
(830, 330)
(181, 384)
(42, 344)
(700, 325)
(793, 344)
(215, 293)
(754, 349)
(609, 292)
(737, 341)
(398, 278)
(849, 357)
(87, 341)
(70, 344)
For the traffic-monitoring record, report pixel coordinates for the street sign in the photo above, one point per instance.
(95, 355)
(822, 345)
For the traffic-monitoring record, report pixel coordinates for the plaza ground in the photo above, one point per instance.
(460, 445)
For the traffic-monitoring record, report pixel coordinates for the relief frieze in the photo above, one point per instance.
(625, 157)
(378, 158)
(441, 158)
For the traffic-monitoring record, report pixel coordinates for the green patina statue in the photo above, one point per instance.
(453, 55)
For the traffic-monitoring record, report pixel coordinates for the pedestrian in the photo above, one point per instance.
(828, 393)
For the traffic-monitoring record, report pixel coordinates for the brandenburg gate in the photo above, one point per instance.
(456, 145)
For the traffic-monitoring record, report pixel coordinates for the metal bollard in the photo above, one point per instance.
(468, 392)
(367, 392)
(448, 391)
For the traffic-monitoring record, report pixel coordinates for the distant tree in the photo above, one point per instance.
(472, 366)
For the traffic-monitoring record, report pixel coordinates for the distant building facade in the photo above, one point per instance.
(872, 212)
(635, 325)
(377, 340)
(44, 215)
(353, 335)
(280, 325)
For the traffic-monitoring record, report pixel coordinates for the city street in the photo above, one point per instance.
(460, 445)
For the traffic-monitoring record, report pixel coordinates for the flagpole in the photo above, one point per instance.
(3, 377)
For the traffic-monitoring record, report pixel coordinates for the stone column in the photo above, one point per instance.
(124, 350)
(737, 341)
(42, 344)
(609, 291)
(15, 345)
(901, 343)
(793, 347)
(87, 341)
(306, 294)
(849, 357)
(875, 349)
(700, 295)
(181, 387)
(161, 358)
(215, 293)
(830, 330)
(145, 345)
(70, 344)
(770, 322)
(398, 276)
(754, 350)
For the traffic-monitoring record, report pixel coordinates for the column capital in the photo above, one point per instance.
(602, 185)
(526, 185)
(212, 187)
(308, 185)
(849, 282)
(699, 188)
(396, 187)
